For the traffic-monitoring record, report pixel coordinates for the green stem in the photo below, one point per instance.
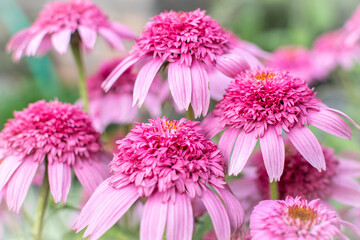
(75, 47)
(42, 206)
(274, 192)
(190, 114)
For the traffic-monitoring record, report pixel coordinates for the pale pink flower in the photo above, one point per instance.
(62, 22)
(259, 104)
(299, 178)
(331, 50)
(115, 105)
(352, 28)
(57, 134)
(297, 60)
(169, 163)
(296, 218)
(188, 43)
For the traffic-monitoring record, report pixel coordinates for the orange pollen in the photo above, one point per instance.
(304, 214)
(264, 76)
(171, 125)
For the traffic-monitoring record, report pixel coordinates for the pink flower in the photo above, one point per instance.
(331, 49)
(102, 104)
(296, 218)
(170, 163)
(57, 134)
(189, 43)
(300, 179)
(62, 22)
(260, 103)
(352, 28)
(297, 60)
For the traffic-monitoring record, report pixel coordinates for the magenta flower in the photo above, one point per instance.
(102, 104)
(188, 43)
(57, 134)
(170, 163)
(331, 50)
(260, 103)
(296, 218)
(60, 22)
(338, 182)
(297, 60)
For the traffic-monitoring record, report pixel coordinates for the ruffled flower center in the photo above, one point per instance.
(265, 97)
(304, 214)
(167, 156)
(183, 36)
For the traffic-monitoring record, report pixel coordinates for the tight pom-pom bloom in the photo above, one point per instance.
(170, 163)
(62, 22)
(189, 44)
(57, 134)
(259, 104)
(115, 105)
(296, 218)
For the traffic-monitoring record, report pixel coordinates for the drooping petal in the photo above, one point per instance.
(61, 40)
(180, 221)
(346, 191)
(330, 123)
(348, 167)
(34, 43)
(243, 148)
(88, 36)
(91, 174)
(217, 214)
(233, 208)
(19, 184)
(114, 204)
(218, 84)
(180, 84)
(200, 98)
(273, 151)
(123, 30)
(227, 142)
(112, 38)
(144, 80)
(59, 180)
(211, 125)
(231, 64)
(308, 146)
(8, 167)
(118, 71)
(345, 116)
(154, 218)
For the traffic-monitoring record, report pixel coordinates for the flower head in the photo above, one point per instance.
(115, 105)
(170, 163)
(60, 22)
(57, 134)
(295, 218)
(190, 44)
(260, 103)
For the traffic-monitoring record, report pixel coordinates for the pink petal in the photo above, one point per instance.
(123, 30)
(227, 142)
(8, 167)
(19, 184)
(61, 40)
(345, 116)
(243, 148)
(354, 228)
(91, 174)
(231, 64)
(118, 71)
(112, 38)
(330, 123)
(45, 46)
(273, 151)
(217, 214)
(211, 125)
(154, 218)
(179, 77)
(308, 146)
(59, 180)
(18, 41)
(34, 43)
(200, 98)
(218, 84)
(346, 191)
(153, 104)
(180, 221)
(114, 204)
(88, 36)
(144, 80)
(348, 167)
(233, 208)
